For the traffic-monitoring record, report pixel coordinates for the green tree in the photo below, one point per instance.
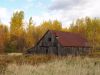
(17, 39)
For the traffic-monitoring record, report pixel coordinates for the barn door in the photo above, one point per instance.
(56, 50)
(46, 50)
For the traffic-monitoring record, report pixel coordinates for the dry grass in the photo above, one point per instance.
(5, 60)
(49, 65)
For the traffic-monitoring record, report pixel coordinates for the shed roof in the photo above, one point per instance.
(70, 39)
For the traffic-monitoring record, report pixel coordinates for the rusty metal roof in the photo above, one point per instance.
(70, 39)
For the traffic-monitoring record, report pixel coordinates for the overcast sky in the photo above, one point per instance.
(65, 11)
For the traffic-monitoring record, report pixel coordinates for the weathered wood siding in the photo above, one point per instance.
(47, 45)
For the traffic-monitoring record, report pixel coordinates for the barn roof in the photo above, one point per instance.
(70, 39)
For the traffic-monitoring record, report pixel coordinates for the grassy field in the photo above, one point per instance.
(49, 65)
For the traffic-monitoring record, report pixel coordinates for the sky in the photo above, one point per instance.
(65, 11)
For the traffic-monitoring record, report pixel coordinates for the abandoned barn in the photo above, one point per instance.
(60, 43)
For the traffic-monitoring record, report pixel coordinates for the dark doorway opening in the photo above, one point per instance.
(46, 50)
(56, 51)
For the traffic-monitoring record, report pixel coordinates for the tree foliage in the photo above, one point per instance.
(90, 28)
(19, 38)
